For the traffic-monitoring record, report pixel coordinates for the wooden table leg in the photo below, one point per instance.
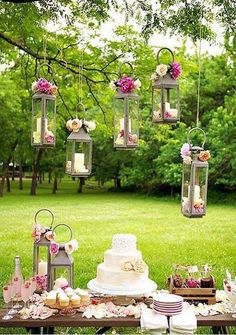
(102, 330)
(48, 330)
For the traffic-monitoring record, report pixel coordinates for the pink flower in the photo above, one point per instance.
(126, 84)
(185, 150)
(167, 115)
(54, 248)
(43, 86)
(175, 70)
(49, 139)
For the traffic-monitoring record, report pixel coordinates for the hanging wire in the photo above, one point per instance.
(199, 65)
(45, 48)
(126, 27)
(81, 65)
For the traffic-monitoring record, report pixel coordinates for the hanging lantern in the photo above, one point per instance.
(42, 238)
(62, 263)
(165, 91)
(126, 111)
(43, 134)
(79, 147)
(195, 178)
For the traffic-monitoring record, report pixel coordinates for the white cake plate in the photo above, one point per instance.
(149, 287)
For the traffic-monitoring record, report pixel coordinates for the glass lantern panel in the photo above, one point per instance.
(36, 121)
(119, 123)
(133, 126)
(200, 191)
(49, 122)
(81, 160)
(61, 272)
(171, 106)
(69, 154)
(186, 189)
(156, 105)
(41, 260)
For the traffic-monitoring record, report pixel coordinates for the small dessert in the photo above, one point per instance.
(64, 301)
(69, 291)
(84, 296)
(60, 283)
(75, 300)
(51, 298)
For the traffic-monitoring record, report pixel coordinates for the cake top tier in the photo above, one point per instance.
(123, 243)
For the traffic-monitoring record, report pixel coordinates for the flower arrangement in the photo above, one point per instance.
(125, 84)
(39, 230)
(135, 264)
(70, 247)
(75, 125)
(174, 69)
(185, 153)
(41, 282)
(43, 86)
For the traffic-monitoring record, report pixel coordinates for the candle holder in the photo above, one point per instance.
(42, 238)
(194, 177)
(43, 133)
(79, 148)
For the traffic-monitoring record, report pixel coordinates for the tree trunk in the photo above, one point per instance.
(49, 177)
(13, 171)
(20, 175)
(40, 177)
(35, 171)
(54, 190)
(172, 191)
(8, 184)
(81, 184)
(1, 187)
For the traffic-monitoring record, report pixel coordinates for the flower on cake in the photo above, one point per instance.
(135, 264)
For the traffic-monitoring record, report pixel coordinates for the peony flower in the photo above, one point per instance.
(54, 248)
(43, 86)
(71, 246)
(36, 235)
(167, 115)
(69, 125)
(49, 137)
(137, 84)
(154, 77)
(185, 150)
(112, 85)
(126, 84)
(161, 69)
(49, 235)
(76, 124)
(204, 155)
(187, 160)
(138, 265)
(175, 70)
(53, 89)
(126, 266)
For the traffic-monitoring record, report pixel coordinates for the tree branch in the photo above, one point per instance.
(97, 102)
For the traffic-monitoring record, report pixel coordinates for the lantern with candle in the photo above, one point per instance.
(79, 147)
(126, 110)
(62, 263)
(194, 178)
(43, 112)
(165, 91)
(42, 237)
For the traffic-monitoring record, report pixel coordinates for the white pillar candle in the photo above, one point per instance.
(196, 192)
(79, 162)
(167, 106)
(39, 125)
(42, 268)
(122, 124)
(173, 113)
(45, 124)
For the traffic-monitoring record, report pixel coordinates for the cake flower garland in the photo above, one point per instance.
(136, 265)
(174, 69)
(125, 84)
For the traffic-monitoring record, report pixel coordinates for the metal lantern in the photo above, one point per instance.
(41, 243)
(43, 134)
(194, 182)
(79, 152)
(62, 261)
(126, 117)
(165, 97)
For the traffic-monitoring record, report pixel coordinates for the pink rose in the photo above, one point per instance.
(54, 248)
(175, 70)
(185, 150)
(126, 84)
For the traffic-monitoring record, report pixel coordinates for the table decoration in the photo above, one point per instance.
(7, 299)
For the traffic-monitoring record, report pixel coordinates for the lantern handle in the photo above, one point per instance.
(63, 224)
(79, 104)
(44, 210)
(158, 54)
(197, 129)
(120, 68)
(48, 66)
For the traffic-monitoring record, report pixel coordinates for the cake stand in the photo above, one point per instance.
(148, 287)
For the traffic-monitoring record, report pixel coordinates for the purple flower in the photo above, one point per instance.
(126, 84)
(175, 70)
(41, 281)
(49, 139)
(185, 150)
(43, 86)
(54, 248)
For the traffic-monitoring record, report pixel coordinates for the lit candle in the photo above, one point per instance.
(79, 162)
(167, 106)
(43, 268)
(196, 192)
(122, 124)
(39, 125)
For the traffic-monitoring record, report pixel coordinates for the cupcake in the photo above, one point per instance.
(51, 298)
(64, 301)
(75, 300)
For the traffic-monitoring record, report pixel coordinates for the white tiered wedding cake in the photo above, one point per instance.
(123, 271)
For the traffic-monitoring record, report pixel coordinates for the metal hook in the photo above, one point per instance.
(63, 224)
(131, 66)
(49, 67)
(197, 129)
(44, 210)
(171, 52)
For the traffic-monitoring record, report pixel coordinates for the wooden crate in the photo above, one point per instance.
(194, 294)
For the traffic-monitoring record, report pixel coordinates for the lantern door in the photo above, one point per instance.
(79, 155)
(49, 120)
(62, 265)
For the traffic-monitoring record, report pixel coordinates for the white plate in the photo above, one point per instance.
(150, 286)
(167, 298)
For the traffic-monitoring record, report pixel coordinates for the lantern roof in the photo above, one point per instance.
(62, 258)
(80, 136)
(130, 95)
(166, 81)
(43, 241)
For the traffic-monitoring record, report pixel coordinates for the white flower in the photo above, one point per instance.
(91, 125)
(154, 77)
(71, 246)
(161, 69)
(112, 85)
(137, 84)
(127, 265)
(76, 124)
(187, 160)
(34, 86)
(69, 125)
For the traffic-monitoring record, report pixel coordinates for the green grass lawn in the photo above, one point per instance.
(164, 236)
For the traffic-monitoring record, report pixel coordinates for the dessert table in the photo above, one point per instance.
(218, 323)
